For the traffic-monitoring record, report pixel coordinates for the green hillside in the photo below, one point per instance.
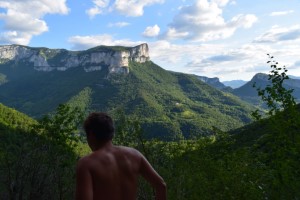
(34, 164)
(168, 104)
(11, 119)
(257, 161)
(36, 93)
(164, 99)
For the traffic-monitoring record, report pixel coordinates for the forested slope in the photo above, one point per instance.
(169, 105)
(34, 162)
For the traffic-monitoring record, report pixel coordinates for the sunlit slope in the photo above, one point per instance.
(167, 104)
(170, 104)
(36, 92)
(12, 120)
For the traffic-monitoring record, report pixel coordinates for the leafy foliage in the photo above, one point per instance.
(253, 162)
(276, 96)
(62, 126)
(38, 162)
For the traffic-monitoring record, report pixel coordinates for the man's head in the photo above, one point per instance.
(100, 125)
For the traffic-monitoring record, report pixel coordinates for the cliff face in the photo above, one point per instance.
(214, 82)
(44, 59)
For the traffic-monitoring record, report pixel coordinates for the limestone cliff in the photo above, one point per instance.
(116, 59)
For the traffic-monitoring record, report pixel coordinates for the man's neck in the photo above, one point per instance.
(102, 145)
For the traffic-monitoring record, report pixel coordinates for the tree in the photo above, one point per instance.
(276, 96)
(62, 126)
(278, 149)
(40, 164)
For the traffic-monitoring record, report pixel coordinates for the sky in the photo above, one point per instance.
(228, 39)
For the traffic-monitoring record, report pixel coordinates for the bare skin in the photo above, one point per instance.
(111, 173)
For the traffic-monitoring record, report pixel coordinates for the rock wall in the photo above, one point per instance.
(44, 59)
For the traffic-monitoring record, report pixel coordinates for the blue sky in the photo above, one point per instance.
(228, 39)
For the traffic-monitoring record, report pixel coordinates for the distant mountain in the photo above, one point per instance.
(111, 79)
(234, 83)
(294, 77)
(214, 82)
(249, 94)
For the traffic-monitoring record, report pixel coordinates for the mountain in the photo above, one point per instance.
(111, 79)
(36, 80)
(214, 82)
(43, 59)
(294, 77)
(249, 94)
(234, 83)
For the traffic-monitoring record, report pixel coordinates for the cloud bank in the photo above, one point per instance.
(24, 19)
(124, 7)
(203, 21)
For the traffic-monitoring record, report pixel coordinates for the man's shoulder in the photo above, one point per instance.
(125, 148)
(129, 151)
(84, 159)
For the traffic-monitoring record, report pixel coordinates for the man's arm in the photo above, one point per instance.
(154, 179)
(84, 186)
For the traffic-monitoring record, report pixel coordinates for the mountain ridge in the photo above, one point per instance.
(248, 93)
(45, 59)
(168, 104)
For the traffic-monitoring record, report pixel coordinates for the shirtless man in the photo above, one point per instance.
(111, 172)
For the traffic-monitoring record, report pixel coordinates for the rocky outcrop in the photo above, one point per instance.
(214, 82)
(116, 59)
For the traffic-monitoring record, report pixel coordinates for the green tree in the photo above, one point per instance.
(278, 149)
(40, 164)
(62, 126)
(275, 95)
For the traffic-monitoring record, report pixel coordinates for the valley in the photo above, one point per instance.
(168, 104)
(199, 135)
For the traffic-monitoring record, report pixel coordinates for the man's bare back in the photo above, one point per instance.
(111, 172)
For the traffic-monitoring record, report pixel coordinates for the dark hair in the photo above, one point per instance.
(100, 124)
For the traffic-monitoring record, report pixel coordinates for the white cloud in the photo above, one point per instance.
(92, 12)
(133, 8)
(24, 19)
(221, 2)
(98, 7)
(280, 13)
(212, 60)
(86, 42)
(175, 56)
(13, 37)
(245, 21)
(172, 34)
(119, 24)
(151, 31)
(227, 64)
(203, 21)
(233, 3)
(244, 61)
(279, 34)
